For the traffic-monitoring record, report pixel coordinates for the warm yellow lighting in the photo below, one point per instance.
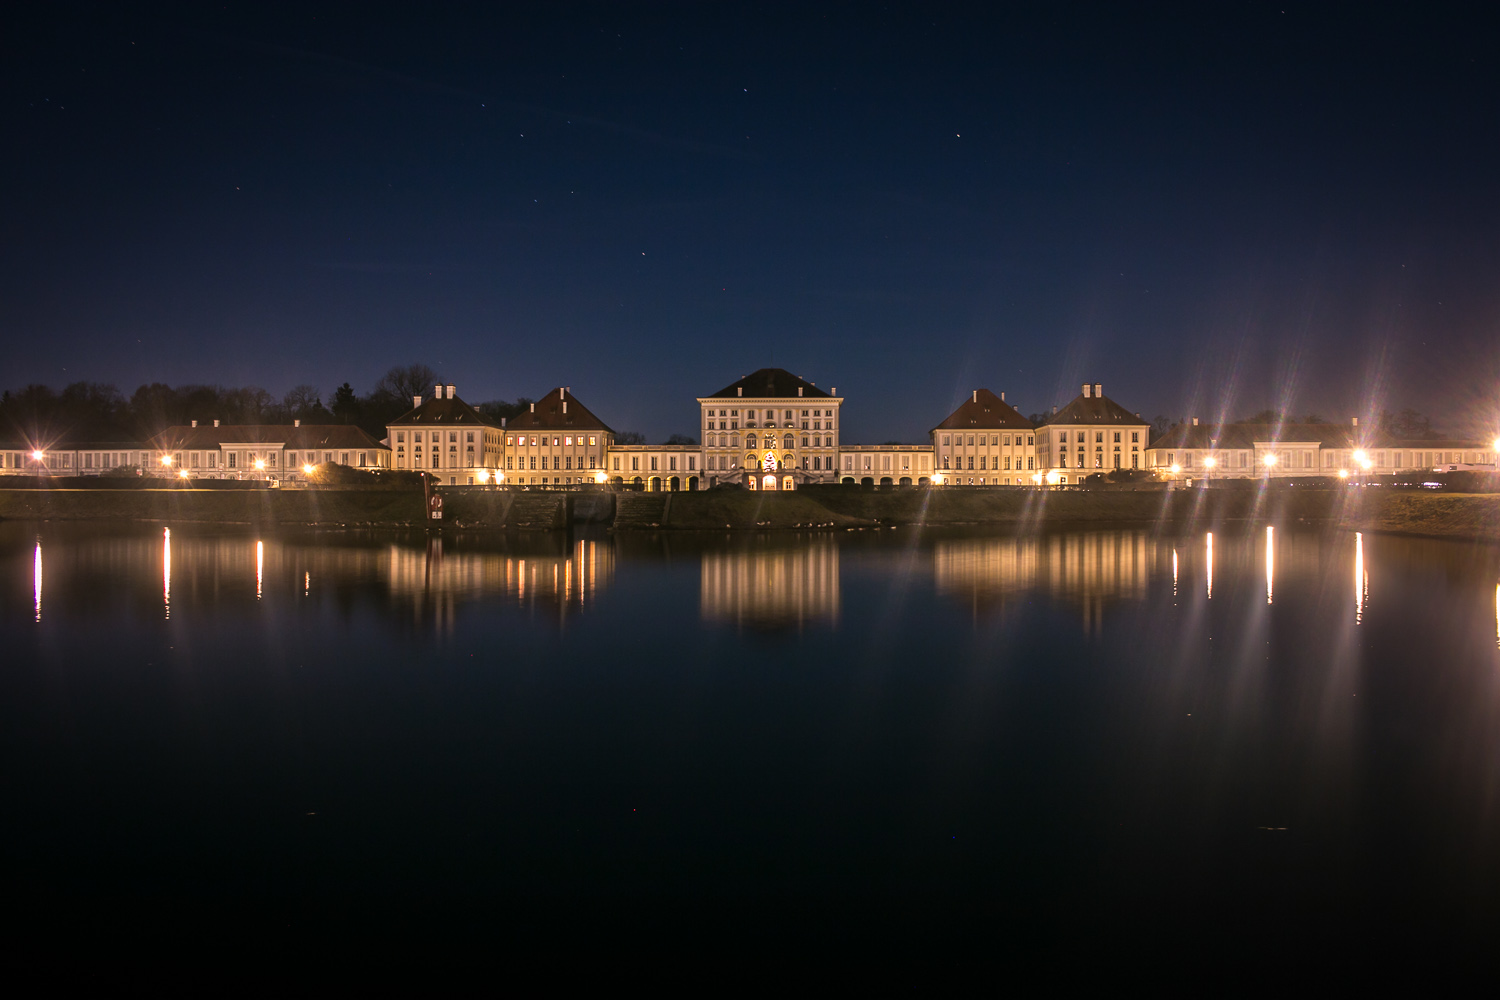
(1270, 458)
(307, 470)
(1359, 455)
(1037, 478)
(260, 463)
(1497, 444)
(1343, 473)
(166, 460)
(1053, 476)
(599, 477)
(37, 456)
(1176, 468)
(937, 479)
(182, 474)
(1365, 463)
(483, 475)
(1210, 462)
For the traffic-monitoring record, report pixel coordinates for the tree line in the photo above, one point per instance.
(96, 411)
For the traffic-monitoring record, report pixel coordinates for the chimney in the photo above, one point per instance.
(195, 423)
(216, 423)
(1356, 421)
(1054, 409)
(533, 407)
(799, 390)
(1002, 395)
(740, 391)
(416, 401)
(296, 423)
(974, 396)
(562, 392)
(1085, 390)
(452, 390)
(437, 391)
(833, 390)
(502, 421)
(1195, 421)
(1098, 390)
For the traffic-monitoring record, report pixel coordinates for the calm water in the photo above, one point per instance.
(926, 740)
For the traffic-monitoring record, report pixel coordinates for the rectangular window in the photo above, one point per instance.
(653, 463)
(672, 463)
(617, 463)
(635, 463)
(568, 440)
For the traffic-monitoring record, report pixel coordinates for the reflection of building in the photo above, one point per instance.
(1088, 568)
(772, 587)
(568, 578)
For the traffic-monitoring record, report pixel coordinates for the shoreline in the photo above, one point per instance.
(1472, 517)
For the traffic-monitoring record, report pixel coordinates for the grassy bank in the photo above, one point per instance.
(1430, 514)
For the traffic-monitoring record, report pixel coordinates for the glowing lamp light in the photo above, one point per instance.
(1210, 462)
(1497, 444)
(260, 463)
(37, 456)
(166, 460)
(1365, 463)
(1343, 473)
(182, 474)
(599, 477)
(1270, 458)
(937, 479)
(1053, 476)
(1359, 456)
(307, 470)
(1176, 468)
(483, 475)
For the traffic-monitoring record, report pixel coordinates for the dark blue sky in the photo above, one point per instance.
(1219, 207)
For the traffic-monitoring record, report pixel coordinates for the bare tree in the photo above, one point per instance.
(405, 381)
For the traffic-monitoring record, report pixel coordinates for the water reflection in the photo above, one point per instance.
(1208, 547)
(1270, 562)
(1361, 579)
(36, 580)
(1089, 569)
(166, 573)
(774, 587)
(260, 563)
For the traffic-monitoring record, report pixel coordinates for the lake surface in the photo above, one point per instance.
(900, 739)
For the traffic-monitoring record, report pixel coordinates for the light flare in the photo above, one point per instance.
(1210, 549)
(36, 579)
(1361, 581)
(260, 563)
(1174, 572)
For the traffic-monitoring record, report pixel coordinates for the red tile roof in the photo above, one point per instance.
(987, 410)
(558, 410)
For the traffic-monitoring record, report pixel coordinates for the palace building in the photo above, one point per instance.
(985, 442)
(447, 437)
(771, 430)
(557, 442)
(1093, 433)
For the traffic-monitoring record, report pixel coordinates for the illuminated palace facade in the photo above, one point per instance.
(769, 430)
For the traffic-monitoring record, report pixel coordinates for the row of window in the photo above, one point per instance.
(1003, 440)
(558, 440)
(436, 436)
(1030, 462)
(787, 441)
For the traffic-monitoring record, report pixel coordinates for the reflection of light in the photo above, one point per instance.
(771, 588)
(306, 583)
(1174, 572)
(1270, 560)
(1497, 591)
(166, 572)
(1210, 550)
(1359, 577)
(36, 579)
(260, 561)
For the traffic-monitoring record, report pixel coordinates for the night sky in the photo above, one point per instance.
(1210, 209)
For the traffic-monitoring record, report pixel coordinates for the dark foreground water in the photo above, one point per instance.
(1056, 750)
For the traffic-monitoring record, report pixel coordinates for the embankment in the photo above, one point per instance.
(1429, 514)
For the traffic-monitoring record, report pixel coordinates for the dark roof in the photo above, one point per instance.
(443, 412)
(548, 413)
(206, 436)
(1244, 436)
(985, 409)
(771, 383)
(1094, 410)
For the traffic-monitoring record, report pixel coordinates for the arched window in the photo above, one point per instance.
(787, 462)
(749, 440)
(751, 462)
(788, 442)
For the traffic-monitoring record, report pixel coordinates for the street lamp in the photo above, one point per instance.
(166, 460)
(1343, 473)
(307, 470)
(483, 475)
(38, 455)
